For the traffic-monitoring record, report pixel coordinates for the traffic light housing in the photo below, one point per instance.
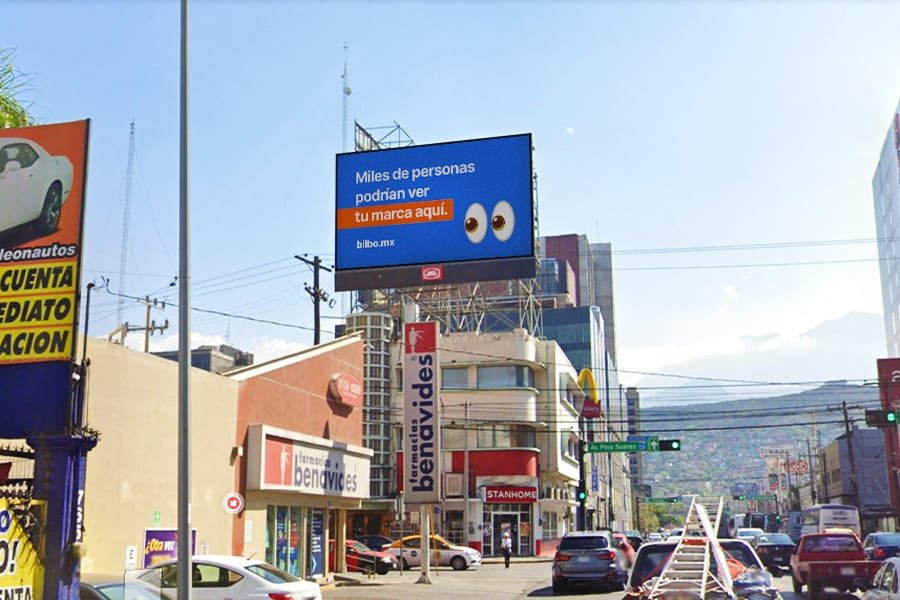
(674, 499)
(739, 497)
(581, 494)
(881, 418)
(669, 445)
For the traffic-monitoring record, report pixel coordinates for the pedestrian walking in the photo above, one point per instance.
(506, 548)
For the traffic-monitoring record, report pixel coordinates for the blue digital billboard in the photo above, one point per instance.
(438, 213)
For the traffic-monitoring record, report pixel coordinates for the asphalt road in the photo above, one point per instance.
(494, 582)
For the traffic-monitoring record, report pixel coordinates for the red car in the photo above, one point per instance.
(362, 559)
(625, 546)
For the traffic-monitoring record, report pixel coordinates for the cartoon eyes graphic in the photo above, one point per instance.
(503, 221)
(476, 223)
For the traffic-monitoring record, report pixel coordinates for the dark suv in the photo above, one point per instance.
(588, 557)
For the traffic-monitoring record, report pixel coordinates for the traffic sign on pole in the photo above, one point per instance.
(643, 440)
(613, 447)
(755, 497)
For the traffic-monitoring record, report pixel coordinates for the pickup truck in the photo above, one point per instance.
(834, 560)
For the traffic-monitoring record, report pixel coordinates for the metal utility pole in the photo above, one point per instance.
(184, 327)
(850, 453)
(466, 474)
(316, 292)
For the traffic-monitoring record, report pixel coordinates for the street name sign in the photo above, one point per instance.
(614, 446)
(644, 440)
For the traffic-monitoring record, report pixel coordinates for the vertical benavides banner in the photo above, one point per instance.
(421, 419)
(42, 184)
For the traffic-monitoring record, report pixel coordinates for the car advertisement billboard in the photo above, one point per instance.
(438, 213)
(421, 418)
(42, 184)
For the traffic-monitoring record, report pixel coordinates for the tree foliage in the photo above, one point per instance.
(13, 83)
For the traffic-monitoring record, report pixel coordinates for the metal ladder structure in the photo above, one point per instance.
(688, 570)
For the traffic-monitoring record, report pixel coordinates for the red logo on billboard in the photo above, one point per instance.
(421, 338)
(507, 495)
(432, 273)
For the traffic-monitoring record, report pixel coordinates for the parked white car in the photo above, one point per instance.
(748, 533)
(230, 577)
(33, 185)
(447, 554)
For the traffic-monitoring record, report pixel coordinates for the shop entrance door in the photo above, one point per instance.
(504, 522)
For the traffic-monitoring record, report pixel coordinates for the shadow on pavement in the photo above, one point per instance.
(576, 590)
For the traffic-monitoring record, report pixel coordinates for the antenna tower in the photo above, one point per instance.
(345, 91)
(123, 258)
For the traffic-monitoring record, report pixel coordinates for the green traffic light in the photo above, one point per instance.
(891, 417)
(676, 445)
(582, 494)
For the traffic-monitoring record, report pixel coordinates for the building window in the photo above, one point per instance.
(506, 436)
(454, 438)
(509, 376)
(455, 378)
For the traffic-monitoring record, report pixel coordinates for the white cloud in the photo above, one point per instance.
(570, 130)
(729, 295)
(653, 358)
(267, 348)
(135, 341)
(262, 348)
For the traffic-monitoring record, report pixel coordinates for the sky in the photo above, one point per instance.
(656, 126)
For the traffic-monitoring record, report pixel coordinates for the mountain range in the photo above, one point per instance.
(721, 441)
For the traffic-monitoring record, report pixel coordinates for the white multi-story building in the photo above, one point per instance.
(510, 404)
(886, 192)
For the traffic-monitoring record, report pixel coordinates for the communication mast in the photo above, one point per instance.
(346, 91)
(123, 258)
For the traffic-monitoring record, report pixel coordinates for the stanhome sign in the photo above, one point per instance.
(421, 430)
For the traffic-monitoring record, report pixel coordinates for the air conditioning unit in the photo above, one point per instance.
(453, 485)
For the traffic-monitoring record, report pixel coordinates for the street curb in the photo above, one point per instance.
(520, 560)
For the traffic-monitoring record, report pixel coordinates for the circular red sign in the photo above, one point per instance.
(233, 503)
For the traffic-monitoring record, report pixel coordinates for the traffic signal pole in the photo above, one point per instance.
(581, 491)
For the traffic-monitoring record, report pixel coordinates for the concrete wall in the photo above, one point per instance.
(132, 473)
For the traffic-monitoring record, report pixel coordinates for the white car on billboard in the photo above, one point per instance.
(33, 185)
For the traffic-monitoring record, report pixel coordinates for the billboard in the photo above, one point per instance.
(161, 545)
(21, 570)
(421, 417)
(438, 213)
(747, 488)
(42, 184)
